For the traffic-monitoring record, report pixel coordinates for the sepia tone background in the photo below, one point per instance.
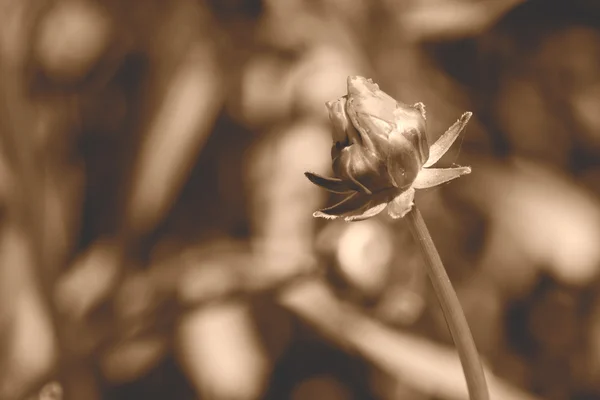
(157, 238)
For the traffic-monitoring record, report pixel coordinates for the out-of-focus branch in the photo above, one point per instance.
(431, 368)
(27, 209)
(432, 20)
(192, 94)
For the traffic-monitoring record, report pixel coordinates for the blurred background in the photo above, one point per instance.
(157, 238)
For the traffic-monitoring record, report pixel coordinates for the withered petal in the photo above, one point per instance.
(334, 185)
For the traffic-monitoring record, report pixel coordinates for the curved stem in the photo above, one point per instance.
(455, 317)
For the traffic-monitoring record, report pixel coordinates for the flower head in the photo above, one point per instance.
(380, 153)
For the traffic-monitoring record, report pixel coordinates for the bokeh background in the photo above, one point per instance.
(157, 239)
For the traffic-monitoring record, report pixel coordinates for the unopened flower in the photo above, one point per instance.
(380, 153)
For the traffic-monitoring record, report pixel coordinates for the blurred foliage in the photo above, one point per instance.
(157, 238)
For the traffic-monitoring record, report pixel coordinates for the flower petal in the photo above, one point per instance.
(371, 212)
(334, 185)
(429, 177)
(343, 131)
(401, 204)
(364, 170)
(441, 146)
(356, 207)
(374, 132)
(403, 164)
(351, 204)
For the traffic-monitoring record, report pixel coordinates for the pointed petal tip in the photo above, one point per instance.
(334, 185)
(309, 175)
(320, 214)
(464, 119)
(444, 142)
(464, 170)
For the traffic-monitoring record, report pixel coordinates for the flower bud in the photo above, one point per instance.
(380, 153)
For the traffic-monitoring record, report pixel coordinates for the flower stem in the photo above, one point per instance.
(455, 317)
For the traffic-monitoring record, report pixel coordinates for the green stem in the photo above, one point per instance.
(455, 317)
